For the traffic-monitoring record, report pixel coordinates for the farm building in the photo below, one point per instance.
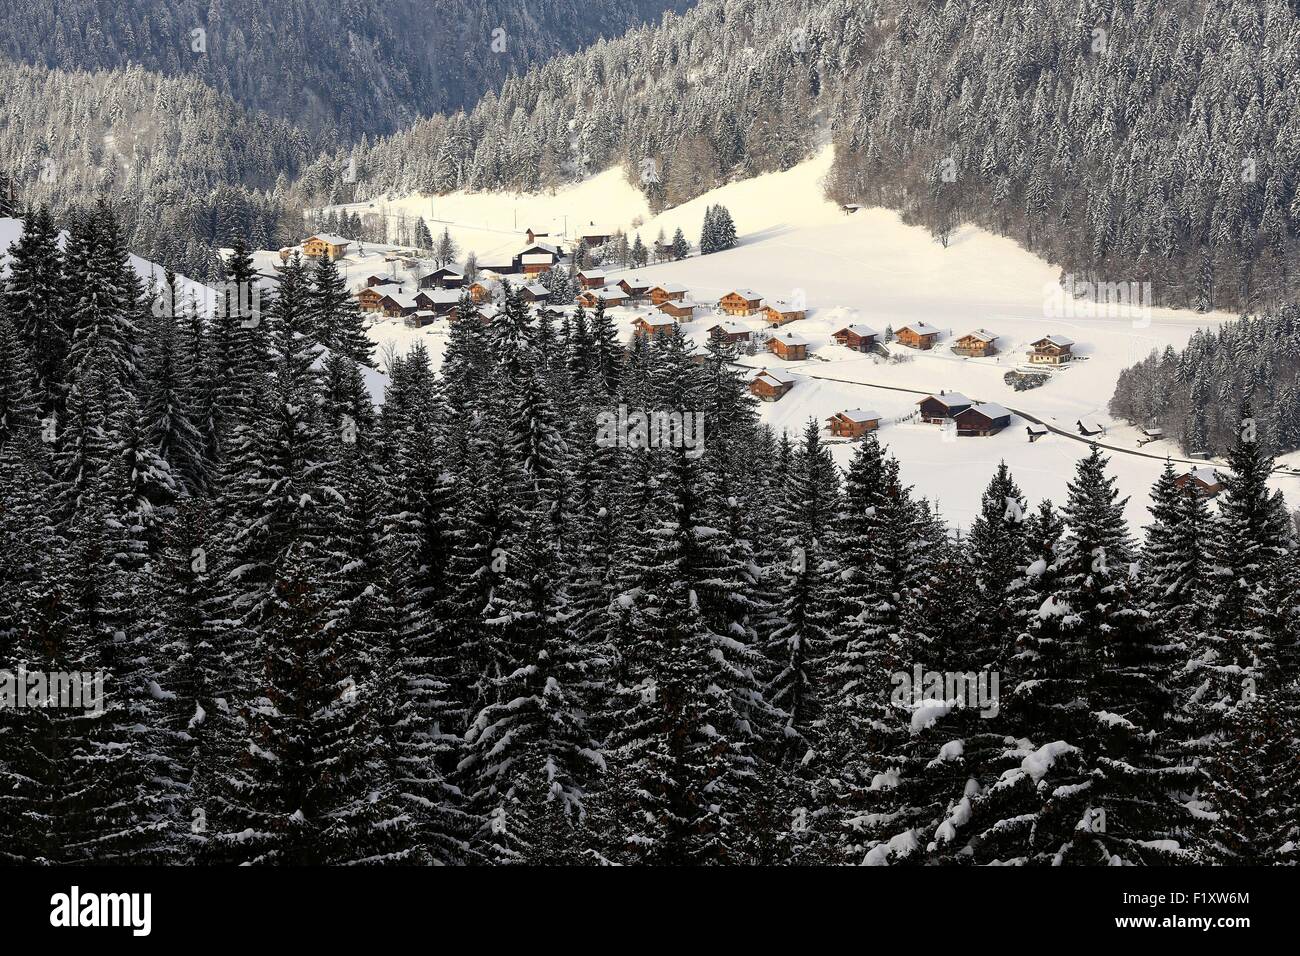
(985, 419)
(653, 325)
(936, 409)
(1090, 426)
(421, 317)
(854, 423)
(741, 302)
(326, 245)
(780, 312)
(918, 335)
(536, 258)
(730, 331)
(535, 292)
(533, 235)
(791, 347)
(1036, 431)
(858, 337)
(678, 308)
(611, 295)
(594, 235)
(667, 292)
(977, 344)
(591, 278)
(374, 280)
(443, 278)
(1051, 350)
(771, 386)
(1204, 481)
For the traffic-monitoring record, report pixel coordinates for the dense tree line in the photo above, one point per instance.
(352, 66)
(1189, 393)
(460, 626)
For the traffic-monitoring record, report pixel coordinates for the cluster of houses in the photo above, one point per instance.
(981, 343)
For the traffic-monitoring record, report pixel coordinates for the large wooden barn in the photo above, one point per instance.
(771, 385)
(936, 409)
(988, 418)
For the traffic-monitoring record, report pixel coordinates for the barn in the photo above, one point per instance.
(444, 278)
(678, 308)
(771, 386)
(591, 278)
(988, 418)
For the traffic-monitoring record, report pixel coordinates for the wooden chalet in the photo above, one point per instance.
(1051, 350)
(678, 308)
(854, 423)
(741, 302)
(1036, 431)
(444, 278)
(478, 292)
(398, 304)
(421, 317)
(936, 409)
(1089, 427)
(636, 288)
(988, 418)
(591, 278)
(732, 332)
(370, 297)
(438, 301)
(535, 292)
(779, 312)
(917, 335)
(611, 295)
(1206, 482)
(654, 325)
(771, 385)
(667, 292)
(594, 235)
(791, 347)
(372, 281)
(536, 258)
(326, 245)
(858, 337)
(977, 344)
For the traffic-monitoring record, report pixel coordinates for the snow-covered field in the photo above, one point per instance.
(869, 267)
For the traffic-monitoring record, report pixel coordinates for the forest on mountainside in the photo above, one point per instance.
(462, 627)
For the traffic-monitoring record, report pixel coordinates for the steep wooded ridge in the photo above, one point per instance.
(357, 66)
(1128, 140)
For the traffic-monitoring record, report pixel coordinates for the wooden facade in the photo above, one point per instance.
(860, 338)
(790, 347)
(636, 289)
(770, 386)
(479, 293)
(741, 302)
(667, 292)
(779, 313)
(981, 420)
(443, 278)
(591, 278)
(918, 336)
(678, 308)
(612, 296)
(535, 293)
(936, 409)
(977, 344)
(1206, 482)
(326, 245)
(853, 423)
(732, 332)
(653, 325)
(1051, 350)
(397, 304)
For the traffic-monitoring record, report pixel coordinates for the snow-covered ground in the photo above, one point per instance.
(868, 267)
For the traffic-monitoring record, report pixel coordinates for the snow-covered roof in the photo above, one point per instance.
(440, 296)
(330, 238)
(1208, 476)
(1036, 428)
(387, 288)
(657, 321)
(857, 328)
(921, 328)
(608, 292)
(1059, 340)
(749, 295)
(678, 304)
(403, 299)
(776, 375)
(789, 338)
(984, 335)
(730, 328)
(635, 282)
(592, 273)
(536, 288)
(669, 287)
(989, 410)
(780, 305)
(950, 399)
(860, 415)
(1090, 424)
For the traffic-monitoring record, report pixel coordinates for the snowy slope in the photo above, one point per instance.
(869, 267)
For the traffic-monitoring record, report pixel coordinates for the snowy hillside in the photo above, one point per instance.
(870, 268)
